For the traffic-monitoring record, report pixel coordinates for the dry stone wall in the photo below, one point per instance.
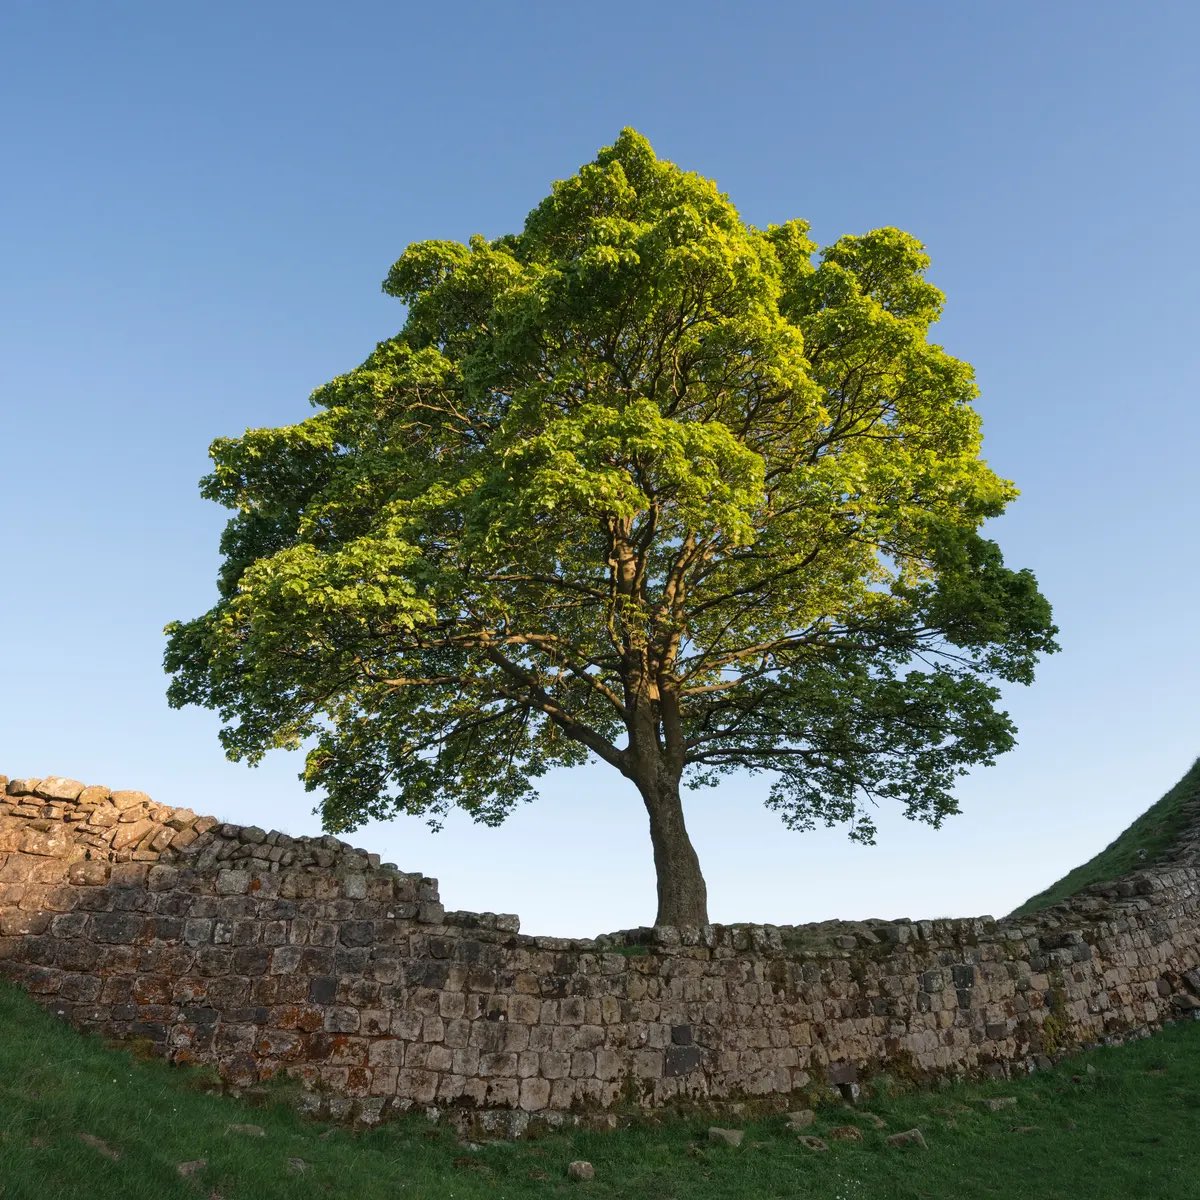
(264, 954)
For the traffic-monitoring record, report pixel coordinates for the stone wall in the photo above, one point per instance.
(261, 953)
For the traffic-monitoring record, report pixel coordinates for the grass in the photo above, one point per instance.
(1110, 1125)
(1140, 845)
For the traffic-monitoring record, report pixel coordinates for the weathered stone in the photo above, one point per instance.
(128, 874)
(846, 1133)
(247, 1130)
(55, 787)
(535, 1094)
(580, 1170)
(14, 923)
(233, 883)
(810, 1142)
(801, 1119)
(194, 1167)
(128, 799)
(130, 833)
(682, 1060)
(910, 1137)
(117, 927)
(50, 843)
(88, 873)
(184, 838)
(726, 1137)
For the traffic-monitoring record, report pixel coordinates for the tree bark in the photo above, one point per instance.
(682, 894)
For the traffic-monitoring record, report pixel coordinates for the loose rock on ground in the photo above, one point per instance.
(726, 1137)
(910, 1137)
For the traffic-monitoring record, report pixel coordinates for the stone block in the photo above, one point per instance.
(418, 1085)
(17, 924)
(534, 1094)
(682, 1060)
(128, 875)
(117, 926)
(233, 882)
(583, 1064)
(88, 873)
(125, 799)
(53, 842)
(70, 925)
(55, 787)
(126, 834)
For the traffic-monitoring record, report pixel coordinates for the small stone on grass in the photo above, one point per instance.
(188, 1169)
(247, 1130)
(100, 1146)
(910, 1137)
(581, 1170)
(846, 1133)
(815, 1144)
(726, 1137)
(801, 1119)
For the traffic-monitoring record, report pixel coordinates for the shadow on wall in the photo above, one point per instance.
(263, 954)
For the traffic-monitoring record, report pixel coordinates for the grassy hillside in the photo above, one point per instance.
(1140, 845)
(80, 1120)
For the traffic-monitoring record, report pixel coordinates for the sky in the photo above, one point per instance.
(199, 204)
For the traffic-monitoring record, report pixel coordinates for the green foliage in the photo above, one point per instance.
(1057, 1142)
(641, 481)
(1141, 845)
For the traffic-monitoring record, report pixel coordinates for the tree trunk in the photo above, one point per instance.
(682, 894)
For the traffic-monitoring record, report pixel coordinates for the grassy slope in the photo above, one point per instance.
(1138, 846)
(1116, 1124)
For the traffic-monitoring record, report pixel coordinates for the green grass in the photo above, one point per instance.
(1113, 1124)
(1139, 846)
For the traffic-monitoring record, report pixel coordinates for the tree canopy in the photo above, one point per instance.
(641, 483)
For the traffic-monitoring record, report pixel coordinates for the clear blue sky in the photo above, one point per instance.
(200, 200)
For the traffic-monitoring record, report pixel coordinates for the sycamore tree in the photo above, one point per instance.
(641, 484)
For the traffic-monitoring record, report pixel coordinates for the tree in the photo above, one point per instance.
(641, 483)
